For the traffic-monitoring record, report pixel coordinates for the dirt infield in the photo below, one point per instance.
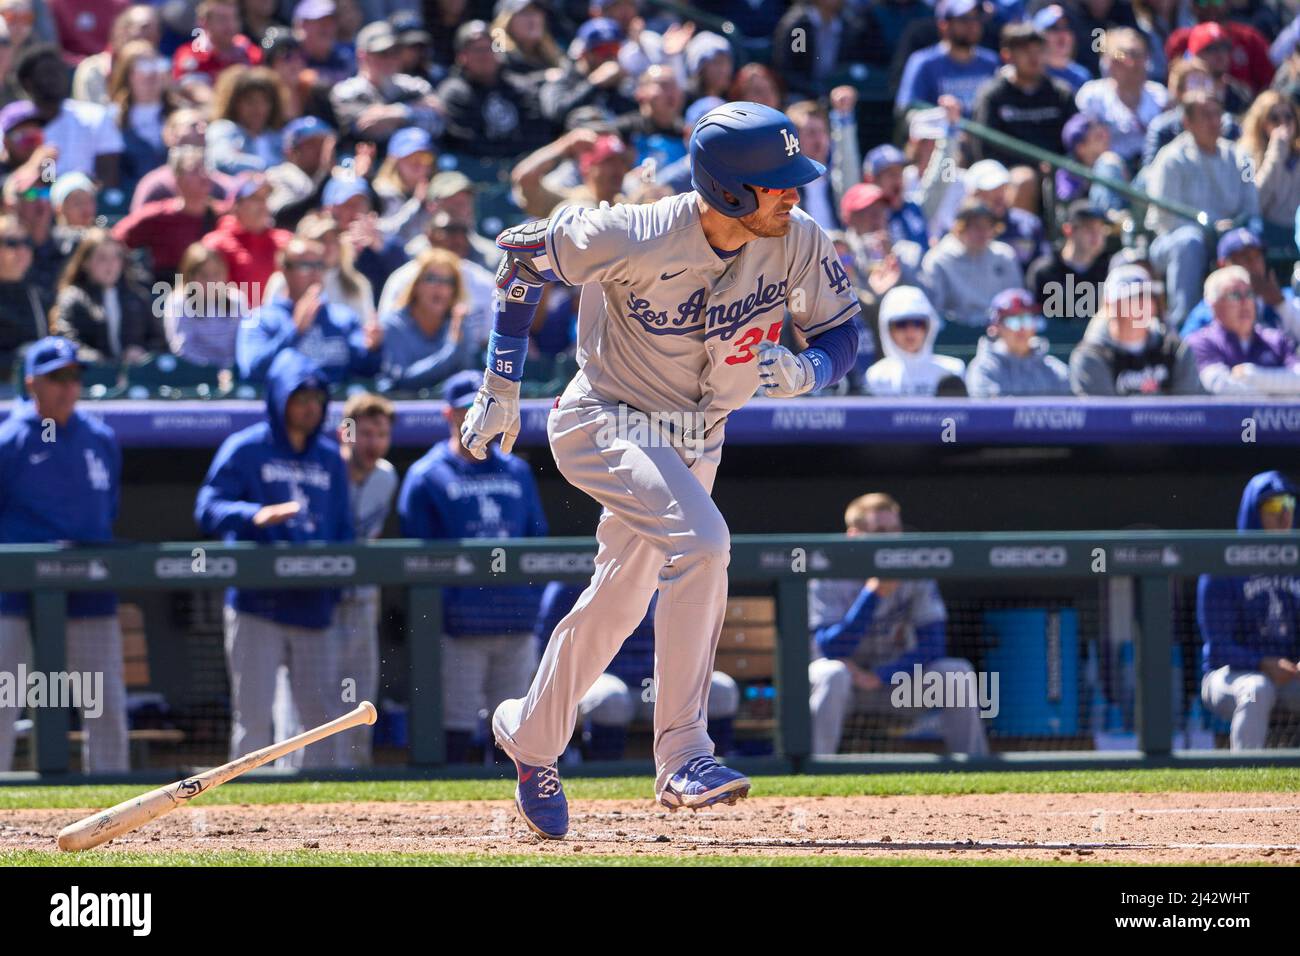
(1097, 827)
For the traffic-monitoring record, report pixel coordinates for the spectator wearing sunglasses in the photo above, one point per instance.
(1252, 647)
(908, 327)
(21, 137)
(1126, 350)
(23, 303)
(1234, 354)
(1273, 308)
(302, 318)
(1013, 358)
(424, 339)
(28, 198)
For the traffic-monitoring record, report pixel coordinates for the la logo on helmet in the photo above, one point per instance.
(791, 142)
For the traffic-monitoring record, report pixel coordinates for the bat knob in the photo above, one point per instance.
(371, 714)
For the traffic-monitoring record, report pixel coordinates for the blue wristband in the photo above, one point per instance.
(821, 363)
(506, 354)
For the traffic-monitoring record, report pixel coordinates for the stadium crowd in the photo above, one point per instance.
(221, 179)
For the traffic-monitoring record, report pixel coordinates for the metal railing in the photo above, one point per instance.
(782, 565)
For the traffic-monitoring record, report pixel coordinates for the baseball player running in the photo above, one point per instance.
(679, 323)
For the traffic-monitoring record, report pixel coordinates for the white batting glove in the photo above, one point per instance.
(781, 373)
(495, 412)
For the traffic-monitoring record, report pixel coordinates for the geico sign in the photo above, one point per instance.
(313, 566)
(534, 563)
(184, 568)
(1261, 554)
(1053, 557)
(914, 557)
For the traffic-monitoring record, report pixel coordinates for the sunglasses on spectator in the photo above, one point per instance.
(1209, 3)
(912, 323)
(35, 194)
(1281, 116)
(1124, 55)
(311, 265)
(15, 242)
(1237, 295)
(430, 279)
(1277, 504)
(148, 66)
(1027, 322)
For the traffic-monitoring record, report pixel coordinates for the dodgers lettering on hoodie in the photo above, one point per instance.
(445, 495)
(61, 490)
(257, 466)
(1243, 619)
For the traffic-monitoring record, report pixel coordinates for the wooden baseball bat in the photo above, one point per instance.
(126, 816)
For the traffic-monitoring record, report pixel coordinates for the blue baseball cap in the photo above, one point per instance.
(884, 156)
(1235, 241)
(305, 127)
(1049, 17)
(49, 355)
(597, 32)
(951, 9)
(408, 141)
(459, 390)
(313, 9)
(250, 184)
(340, 189)
(700, 107)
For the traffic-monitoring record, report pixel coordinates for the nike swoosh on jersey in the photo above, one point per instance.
(38, 458)
(665, 276)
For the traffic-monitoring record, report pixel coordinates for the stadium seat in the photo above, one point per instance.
(169, 376)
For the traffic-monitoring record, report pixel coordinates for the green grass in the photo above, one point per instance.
(340, 858)
(1236, 779)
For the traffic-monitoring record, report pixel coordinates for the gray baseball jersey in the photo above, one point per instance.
(668, 327)
(665, 324)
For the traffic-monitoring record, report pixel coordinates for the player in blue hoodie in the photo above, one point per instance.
(1249, 625)
(281, 480)
(59, 481)
(488, 654)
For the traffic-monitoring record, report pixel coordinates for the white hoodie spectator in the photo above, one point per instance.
(908, 326)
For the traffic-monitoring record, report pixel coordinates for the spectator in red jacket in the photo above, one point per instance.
(166, 227)
(1250, 60)
(218, 45)
(247, 240)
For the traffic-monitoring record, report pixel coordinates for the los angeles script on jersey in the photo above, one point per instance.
(723, 319)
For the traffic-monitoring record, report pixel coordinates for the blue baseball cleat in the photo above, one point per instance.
(703, 782)
(539, 797)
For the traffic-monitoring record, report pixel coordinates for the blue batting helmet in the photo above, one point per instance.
(746, 144)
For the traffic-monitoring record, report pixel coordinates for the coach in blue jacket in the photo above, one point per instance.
(281, 480)
(59, 481)
(1249, 625)
(488, 653)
